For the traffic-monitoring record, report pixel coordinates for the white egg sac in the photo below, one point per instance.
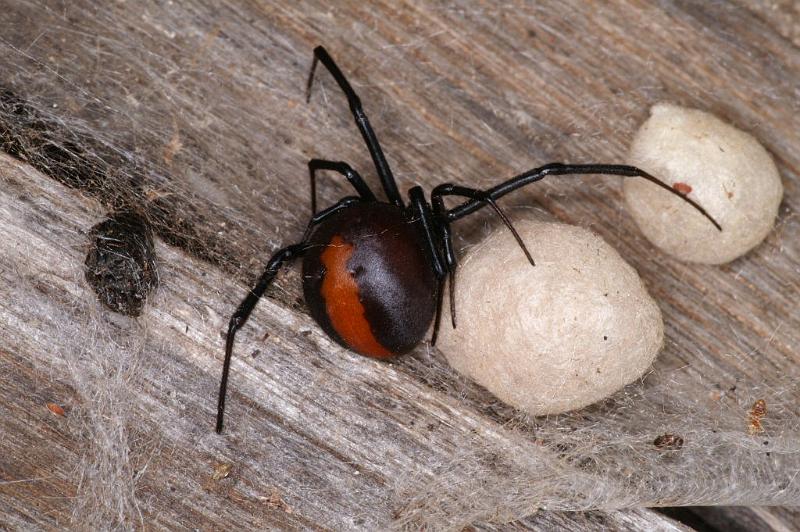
(553, 337)
(723, 169)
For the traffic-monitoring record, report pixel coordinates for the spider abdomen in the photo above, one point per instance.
(368, 281)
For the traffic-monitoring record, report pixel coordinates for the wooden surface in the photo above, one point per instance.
(195, 115)
(146, 387)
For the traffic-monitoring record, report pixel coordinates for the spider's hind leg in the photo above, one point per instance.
(355, 179)
(245, 308)
(362, 122)
(243, 311)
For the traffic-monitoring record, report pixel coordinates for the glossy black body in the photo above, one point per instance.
(390, 265)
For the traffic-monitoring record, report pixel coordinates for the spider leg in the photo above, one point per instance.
(536, 174)
(239, 317)
(427, 221)
(371, 140)
(430, 224)
(438, 319)
(314, 165)
(247, 305)
(323, 214)
(483, 197)
(451, 265)
(477, 199)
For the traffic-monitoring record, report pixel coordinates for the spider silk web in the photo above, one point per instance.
(157, 128)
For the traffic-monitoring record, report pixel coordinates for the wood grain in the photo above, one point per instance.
(199, 107)
(157, 376)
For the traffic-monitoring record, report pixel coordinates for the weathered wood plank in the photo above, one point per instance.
(198, 110)
(320, 444)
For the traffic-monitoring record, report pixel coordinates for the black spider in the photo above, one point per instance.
(374, 271)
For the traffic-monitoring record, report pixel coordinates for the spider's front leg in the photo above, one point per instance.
(478, 196)
(444, 218)
(450, 264)
(436, 238)
(477, 201)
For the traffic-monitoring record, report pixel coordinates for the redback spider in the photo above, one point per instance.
(374, 271)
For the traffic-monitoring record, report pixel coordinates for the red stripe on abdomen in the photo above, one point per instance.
(342, 303)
